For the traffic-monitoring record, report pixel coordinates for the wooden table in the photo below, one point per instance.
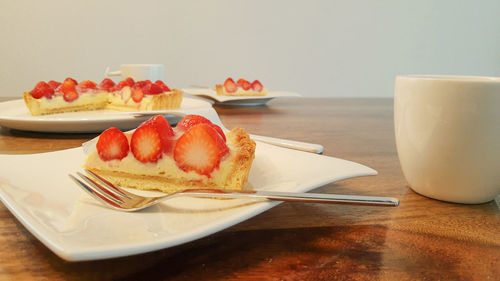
(422, 239)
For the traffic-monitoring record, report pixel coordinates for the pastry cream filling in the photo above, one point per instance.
(164, 167)
(57, 101)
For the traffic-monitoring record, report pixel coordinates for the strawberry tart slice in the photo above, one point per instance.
(194, 154)
(241, 88)
(128, 95)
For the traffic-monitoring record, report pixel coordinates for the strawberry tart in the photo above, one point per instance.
(241, 88)
(194, 154)
(128, 95)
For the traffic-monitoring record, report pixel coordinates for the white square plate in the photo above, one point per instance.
(238, 100)
(37, 190)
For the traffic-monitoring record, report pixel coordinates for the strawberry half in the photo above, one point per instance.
(257, 86)
(73, 80)
(166, 132)
(200, 149)
(244, 84)
(112, 144)
(106, 84)
(162, 85)
(152, 89)
(87, 85)
(140, 84)
(54, 84)
(191, 120)
(137, 95)
(128, 82)
(42, 89)
(68, 88)
(230, 86)
(146, 143)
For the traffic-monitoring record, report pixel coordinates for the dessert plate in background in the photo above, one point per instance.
(15, 115)
(238, 100)
(76, 227)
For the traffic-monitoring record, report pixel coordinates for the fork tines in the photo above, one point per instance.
(99, 188)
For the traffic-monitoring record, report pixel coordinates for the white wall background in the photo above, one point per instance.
(317, 48)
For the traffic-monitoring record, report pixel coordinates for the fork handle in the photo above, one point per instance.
(298, 197)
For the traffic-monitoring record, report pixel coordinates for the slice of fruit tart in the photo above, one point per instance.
(241, 88)
(128, 95)
(194, 154)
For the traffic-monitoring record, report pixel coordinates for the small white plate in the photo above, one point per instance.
(37, 190)
(14, 114)
(238, 101)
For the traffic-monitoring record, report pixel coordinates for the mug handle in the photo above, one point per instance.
(108, 73)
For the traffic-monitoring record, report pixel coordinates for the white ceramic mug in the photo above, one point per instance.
(448, 136)
(139, 72)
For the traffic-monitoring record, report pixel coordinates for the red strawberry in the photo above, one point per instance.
(68, 88)
(230, 86)
(257, 86)
(244, 84)
(69, 78)
(112, 144)
(54, 84)
(146, 144)
(42, 89)
(200, 149)
(219, 130)
(87, 85)
(129, 81)
(140, 84)
(106, 84)
(137, 95)
(124, 83)
(190, 120)
(163, 86)
(166, 132)
(152, 89)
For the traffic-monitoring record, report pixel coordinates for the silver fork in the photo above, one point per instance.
(120, 199)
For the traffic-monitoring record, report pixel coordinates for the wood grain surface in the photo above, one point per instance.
(422, 239)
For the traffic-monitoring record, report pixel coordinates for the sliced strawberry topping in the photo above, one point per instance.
(191, 120)
(68, 88)
(200, 149)
(166, 132)
(230, 86)
(140, 84)
(87, 85)
(129, 81)
(162, 85)
(42, 89)
(244, 84)
(112, 144)
(219, 130)
(106, 84)
(146, 144)
(69, 78)
(137, 95)
(152, 89)
(257, 86)
(54, 84)
(124, 83)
